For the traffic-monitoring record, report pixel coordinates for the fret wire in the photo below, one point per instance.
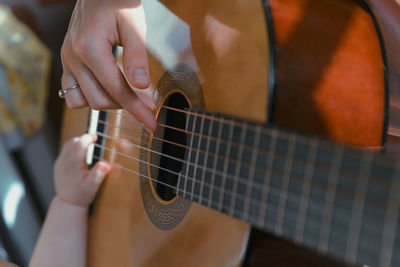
(251, 171)
(251, 218)
(268, 179)
(305, 191)
(204, 114)
(197, 152)
(205, 162)
(282, 134)
(285, 185)
(273, 190)
(189, 152)
(358, 208)
(215, 163)
(237, 171)
(178, 183)
(330, 198)
(225, 171)
(389, 224)
(238, 196)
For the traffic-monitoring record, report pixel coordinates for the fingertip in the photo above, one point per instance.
(91, 136)
(140, 78)
(151, 126)
(99, 172)
(94, 137)
(87, 139)
(103, 167)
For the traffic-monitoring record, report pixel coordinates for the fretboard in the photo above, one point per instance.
(329, 197)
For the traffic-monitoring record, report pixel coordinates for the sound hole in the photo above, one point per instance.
(167, 142)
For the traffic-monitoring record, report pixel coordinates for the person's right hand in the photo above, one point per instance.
(97, 25)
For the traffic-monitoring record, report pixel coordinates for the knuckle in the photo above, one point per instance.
(80, 47)
(85, 47)
(63, 53)
(66, 51)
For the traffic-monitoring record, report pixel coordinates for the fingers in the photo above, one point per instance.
(89, 91)
(96, 176)
(87, 60)
(79, 147)
(147, 101)
(103, 66)
(132, 30)
(94, 93)
(74, 98)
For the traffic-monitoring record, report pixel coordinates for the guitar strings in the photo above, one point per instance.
(231, 122)
(204, 168)
(292, 217)
(250, 215)
(206, 153)
(242, 123)
(303, 161)
(323, 144)
(249, 183)
(213, 118)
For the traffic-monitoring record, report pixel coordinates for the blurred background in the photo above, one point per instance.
(31, 35)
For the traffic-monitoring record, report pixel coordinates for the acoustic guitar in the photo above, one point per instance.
(248, 94)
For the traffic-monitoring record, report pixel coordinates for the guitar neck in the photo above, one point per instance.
(336, 199)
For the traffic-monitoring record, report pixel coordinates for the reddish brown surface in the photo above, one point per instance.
(329, 82)
(329, 70)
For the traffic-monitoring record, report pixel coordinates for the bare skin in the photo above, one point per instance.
(95, 26)
(62, 241)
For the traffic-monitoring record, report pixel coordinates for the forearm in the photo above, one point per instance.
(62, 241)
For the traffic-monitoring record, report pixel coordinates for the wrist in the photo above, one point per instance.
(65, 202)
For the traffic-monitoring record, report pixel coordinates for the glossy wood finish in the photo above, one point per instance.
(329, 70)
(226, 45)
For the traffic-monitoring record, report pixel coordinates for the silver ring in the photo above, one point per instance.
(62, 92)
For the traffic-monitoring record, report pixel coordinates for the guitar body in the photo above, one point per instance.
(236, 83)
(319, 71)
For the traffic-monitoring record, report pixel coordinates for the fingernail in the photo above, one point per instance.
(147, 129)
(103, 168)
(140, 75)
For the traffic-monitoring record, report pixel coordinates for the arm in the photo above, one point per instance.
(62, 241)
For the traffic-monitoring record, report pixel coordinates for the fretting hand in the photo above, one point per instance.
(74, 183)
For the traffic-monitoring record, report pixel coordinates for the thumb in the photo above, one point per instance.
(132, 31)
(96, 176)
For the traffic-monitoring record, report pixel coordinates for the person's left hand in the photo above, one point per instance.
(74, 183)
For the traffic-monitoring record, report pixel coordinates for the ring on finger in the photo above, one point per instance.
(62, 92)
